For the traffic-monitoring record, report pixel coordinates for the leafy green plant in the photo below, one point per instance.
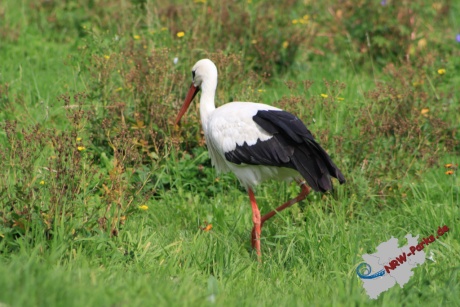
(387, 31)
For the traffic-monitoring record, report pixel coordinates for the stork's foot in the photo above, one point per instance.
(256, 230)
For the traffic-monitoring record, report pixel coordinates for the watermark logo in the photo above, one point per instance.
(366, 274)
(394, 264)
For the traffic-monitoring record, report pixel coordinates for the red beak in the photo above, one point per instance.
(190, 95)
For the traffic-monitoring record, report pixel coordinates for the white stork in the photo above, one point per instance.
(258, 142)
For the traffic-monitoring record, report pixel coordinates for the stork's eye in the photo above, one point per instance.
(193, 75)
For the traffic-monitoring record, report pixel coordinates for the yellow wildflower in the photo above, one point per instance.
(324, 95)
(144, 207)
(441, 71)
(425, 112)
(81, 148)
(78, 139)
(136, 37)
(106, 56)
(285, 44)
(448, 165)
(261, 90)
(422, 43)
(304, 19)
(42, 182)
(449, 172)
(180, 34)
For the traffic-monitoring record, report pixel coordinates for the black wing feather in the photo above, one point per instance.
(292, 146)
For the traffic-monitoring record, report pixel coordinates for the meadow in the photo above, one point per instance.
(104, 202)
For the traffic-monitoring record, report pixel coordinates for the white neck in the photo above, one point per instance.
(207, 106)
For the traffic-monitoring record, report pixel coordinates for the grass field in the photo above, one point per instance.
(103, 202)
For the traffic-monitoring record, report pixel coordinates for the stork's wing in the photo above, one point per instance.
(292, 145)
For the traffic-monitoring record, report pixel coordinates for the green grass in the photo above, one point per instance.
(310, 255)
(71, 230)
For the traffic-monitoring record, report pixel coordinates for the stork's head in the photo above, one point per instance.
(204, 71)
(204, 76)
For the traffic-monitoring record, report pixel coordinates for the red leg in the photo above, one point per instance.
(257, 224)
(303, 194)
